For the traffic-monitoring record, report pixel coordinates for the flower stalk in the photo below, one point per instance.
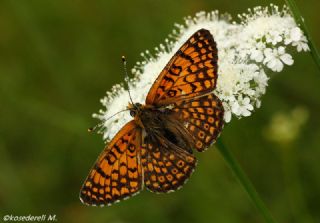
(245, 182)
(300, 20)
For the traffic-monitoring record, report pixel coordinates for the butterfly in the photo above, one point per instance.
(155, 149)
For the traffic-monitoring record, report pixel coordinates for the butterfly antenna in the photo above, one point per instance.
(124, 61)
(100, 125)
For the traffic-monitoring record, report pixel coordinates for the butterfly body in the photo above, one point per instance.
(155, 149)
(161, 125)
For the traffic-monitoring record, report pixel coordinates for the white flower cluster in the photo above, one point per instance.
(260, 42)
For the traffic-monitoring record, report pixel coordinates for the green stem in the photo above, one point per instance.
(244, 181)
(300, 20)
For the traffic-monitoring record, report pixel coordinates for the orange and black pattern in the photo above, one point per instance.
(165, 169)
(192, 71)
(117, 172)
(155, 148)
(203, 117)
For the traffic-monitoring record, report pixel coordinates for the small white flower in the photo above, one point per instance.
(227, 112)
(275, 58)
(293, 35)
(262, 82)
(242, 107)
(301, 45)
(272, 60)
(257, 53)
(273, 37)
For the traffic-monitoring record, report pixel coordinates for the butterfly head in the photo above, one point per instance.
(135, 109)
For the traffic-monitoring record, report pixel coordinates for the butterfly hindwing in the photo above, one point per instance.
(203, 118)
(165, 169)
(192, 71)
(117, 172)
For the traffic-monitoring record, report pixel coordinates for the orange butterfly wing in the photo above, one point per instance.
(117, 172)
(191, 72)
(166, 167)
(203, 118)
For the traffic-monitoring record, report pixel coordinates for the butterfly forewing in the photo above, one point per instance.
(117, 172)
(192, 71)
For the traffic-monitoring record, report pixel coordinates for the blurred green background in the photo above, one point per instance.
(57, 59)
